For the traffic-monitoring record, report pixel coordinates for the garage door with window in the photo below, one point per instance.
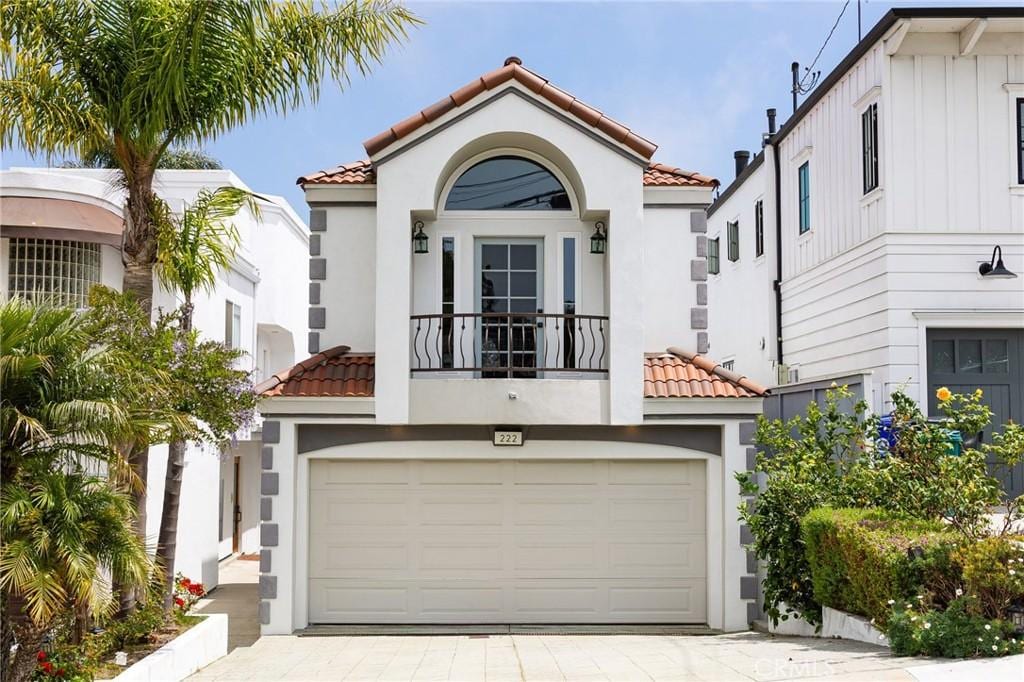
(507, 541)
(990, 359)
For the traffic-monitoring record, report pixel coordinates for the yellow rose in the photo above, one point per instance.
(978, 393)
(943, 394)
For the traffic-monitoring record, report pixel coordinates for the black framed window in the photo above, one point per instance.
(713, 265)
(804, 182)
(447, 301)
(869, 146)
(508, 183)
(569, 301)
(1020, 140)
(732, 231)
(759, 228)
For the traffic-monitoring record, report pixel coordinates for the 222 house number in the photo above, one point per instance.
(508, 437)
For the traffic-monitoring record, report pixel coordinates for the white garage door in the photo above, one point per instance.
(513, 541)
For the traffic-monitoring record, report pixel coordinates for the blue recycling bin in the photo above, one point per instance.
(888, 436)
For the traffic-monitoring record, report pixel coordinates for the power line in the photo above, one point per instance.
(810, 68)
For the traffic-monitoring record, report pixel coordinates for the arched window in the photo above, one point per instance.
(507, 183)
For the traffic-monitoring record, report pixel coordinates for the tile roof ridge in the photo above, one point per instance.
(713, 368)
(300, 368)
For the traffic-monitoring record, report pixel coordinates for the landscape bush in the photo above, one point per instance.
(915, 629)
(863, 560)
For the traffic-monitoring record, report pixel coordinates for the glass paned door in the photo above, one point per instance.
(509, 289)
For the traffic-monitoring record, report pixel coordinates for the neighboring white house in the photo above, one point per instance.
(496, 425)
(891, 184)
(61, 233)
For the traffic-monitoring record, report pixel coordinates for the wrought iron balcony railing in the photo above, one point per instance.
(510, 345)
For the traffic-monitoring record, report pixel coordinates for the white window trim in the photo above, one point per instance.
(872, 96)
(758, 259)
(1013, 92)
(707, 257)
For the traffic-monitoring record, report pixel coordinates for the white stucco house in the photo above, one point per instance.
(507, 417)
(863, 239)
(60, 233)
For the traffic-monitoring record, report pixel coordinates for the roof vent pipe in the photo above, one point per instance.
(741, 157)
(771, 121)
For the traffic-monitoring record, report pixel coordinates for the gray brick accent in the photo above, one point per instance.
(702, 245)
(313, 347)
(268, 587)
(702, 294)
(753, 613)
(271, 432)
(318, 268)
(264, 613)
(266, 509)
(698, 318)
(702, 342)
(317, 318)
(747, 431)
(314, 293)
(267, 457)
(751, 563)
(268, 534)
(751, 458)
(314, 245)
(698, 221)
(746, 537)
(699, 270)
(748, 586)
(317, 220)
(269, 483)
(265, 560)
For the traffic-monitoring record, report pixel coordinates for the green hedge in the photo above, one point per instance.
(860, 558)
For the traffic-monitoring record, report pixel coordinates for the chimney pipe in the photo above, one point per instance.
(771, 121)
(741, 157)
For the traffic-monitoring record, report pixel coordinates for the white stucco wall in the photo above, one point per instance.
(668, 291)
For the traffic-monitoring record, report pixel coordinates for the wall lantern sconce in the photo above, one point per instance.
(419, 239)
(996, 269)
(598, 242)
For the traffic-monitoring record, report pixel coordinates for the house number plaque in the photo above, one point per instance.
(508, 437)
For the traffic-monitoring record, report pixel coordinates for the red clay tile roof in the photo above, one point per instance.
(331, 373)
(660, 175)
(362, 173)
(513, 69)
(336, 373)
(681, 374)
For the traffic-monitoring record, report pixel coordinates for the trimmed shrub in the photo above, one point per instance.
(863, 560)
(993, 573)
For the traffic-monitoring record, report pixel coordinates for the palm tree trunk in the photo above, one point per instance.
(167, 543)
(20, 664)
(138, 460)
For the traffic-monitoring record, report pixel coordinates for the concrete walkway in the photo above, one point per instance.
(238, 596)
(741, 657)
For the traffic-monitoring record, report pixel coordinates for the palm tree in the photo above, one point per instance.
(141, 76)
(190, 253)
(64, 532)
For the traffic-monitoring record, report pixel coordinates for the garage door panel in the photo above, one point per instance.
(550, 541)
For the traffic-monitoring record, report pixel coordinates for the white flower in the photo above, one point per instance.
(979, 639)
(909, 606)
(1013, 572)
(920, 598)
(891, 602)
(881, 637)
(927, 625)
(987, 626)
(913, 618)
(995, 648)
(959, 592)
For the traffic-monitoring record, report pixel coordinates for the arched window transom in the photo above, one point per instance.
(507, 183)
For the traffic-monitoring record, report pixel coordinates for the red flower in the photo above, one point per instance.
(179, 601)
(196, 589)
(41, 656)
(47, 667)
(185, 582)
(60, 672)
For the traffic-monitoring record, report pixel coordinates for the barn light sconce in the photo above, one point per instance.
(419, 239)
(996, 269)
(598, 241)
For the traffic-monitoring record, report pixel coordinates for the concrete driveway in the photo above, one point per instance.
(742, 656)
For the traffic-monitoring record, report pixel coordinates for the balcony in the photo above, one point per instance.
(510, 345)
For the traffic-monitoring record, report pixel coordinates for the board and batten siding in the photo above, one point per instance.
(829, 137)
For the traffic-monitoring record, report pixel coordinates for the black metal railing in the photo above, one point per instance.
(509, 345)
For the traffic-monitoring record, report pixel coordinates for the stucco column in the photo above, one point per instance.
(394, 278)
(739, 585)
(625, 313)
(277, 528)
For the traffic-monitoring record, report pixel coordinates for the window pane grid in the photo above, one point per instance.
(58, 272)
(713, 266)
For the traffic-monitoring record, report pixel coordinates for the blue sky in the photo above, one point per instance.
(694, 77)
